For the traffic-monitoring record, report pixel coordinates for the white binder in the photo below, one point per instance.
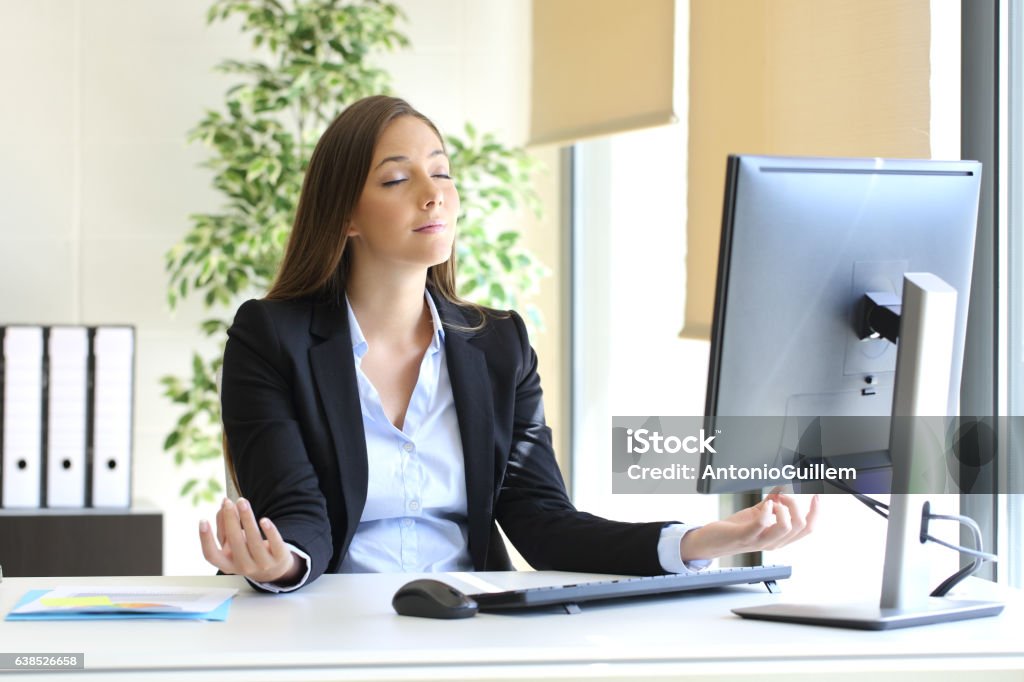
(23, 417)
(67, 408)
(114, 357)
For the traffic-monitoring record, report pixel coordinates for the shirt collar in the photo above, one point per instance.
(438, 340)
(360, 346)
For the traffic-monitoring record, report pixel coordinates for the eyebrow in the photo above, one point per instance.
(436, 152)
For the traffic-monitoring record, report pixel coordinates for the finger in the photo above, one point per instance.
(253, 538)
(211, 552)
(773, 536)
(753, 530)
(278, 549)
(221, 516)
(796, 522)
(224, 517)
(236, 539)
(796, 517)
(809, 520)
(813, 513)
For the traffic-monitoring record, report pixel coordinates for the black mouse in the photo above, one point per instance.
(428, 598)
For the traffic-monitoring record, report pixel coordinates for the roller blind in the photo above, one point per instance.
(601, 67)
(795, 77)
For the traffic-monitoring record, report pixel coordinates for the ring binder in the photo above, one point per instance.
(67, 409)
(22, 417)
(114, 358)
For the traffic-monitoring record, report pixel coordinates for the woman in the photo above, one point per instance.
(376, 422)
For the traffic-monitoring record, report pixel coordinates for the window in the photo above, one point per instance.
(630, 282)
(628, 254)
(1014, 130)
(992, 42)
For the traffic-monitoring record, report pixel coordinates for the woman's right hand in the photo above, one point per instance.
(240, 549)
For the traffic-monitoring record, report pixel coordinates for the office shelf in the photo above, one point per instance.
(81, 542)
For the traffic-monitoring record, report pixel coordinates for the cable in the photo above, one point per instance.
(874, 505)
(979, 555)
(985, 556)
(965, 520)
(880, 508)
(950, 582)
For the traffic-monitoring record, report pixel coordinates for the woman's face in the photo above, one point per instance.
(406, 214)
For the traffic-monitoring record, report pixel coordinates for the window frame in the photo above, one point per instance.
(991, 43)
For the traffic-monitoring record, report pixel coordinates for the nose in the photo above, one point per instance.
(432, 194)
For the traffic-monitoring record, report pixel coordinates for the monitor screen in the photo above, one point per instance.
(803, 240)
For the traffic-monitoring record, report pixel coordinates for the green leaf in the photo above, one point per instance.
(497, 292)
(172, 440)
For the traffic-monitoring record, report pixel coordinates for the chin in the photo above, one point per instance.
(441, 255)
(434, 262)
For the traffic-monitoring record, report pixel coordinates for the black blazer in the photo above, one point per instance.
(293, 423)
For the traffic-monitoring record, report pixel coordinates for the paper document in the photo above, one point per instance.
(83, 602)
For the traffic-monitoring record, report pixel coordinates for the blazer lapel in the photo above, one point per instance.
(474, 405)
(334, 372)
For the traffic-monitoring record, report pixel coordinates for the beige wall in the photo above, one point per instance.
(799, 77)
(98, 182)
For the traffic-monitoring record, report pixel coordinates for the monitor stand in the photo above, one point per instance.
(923, 367)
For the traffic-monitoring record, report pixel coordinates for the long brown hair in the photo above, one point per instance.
(316, 262)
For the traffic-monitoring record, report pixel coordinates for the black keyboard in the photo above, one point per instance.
(569, 595)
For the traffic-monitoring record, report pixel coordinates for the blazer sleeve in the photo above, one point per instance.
(264, 435)
(534, 509)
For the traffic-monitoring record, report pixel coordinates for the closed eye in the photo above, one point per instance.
(398, 181)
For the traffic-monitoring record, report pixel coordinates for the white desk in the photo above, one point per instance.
(343, 628)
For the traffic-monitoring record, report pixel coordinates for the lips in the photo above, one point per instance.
(431, 228)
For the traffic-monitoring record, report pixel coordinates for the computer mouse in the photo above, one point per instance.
(427, 598)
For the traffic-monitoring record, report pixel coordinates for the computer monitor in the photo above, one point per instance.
(808, 246)
(803, 240)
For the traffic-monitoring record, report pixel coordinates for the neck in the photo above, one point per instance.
(388, 308)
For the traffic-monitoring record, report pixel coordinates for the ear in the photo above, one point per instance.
(353, 231)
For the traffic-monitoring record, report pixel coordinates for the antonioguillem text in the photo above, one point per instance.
(788, 472)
